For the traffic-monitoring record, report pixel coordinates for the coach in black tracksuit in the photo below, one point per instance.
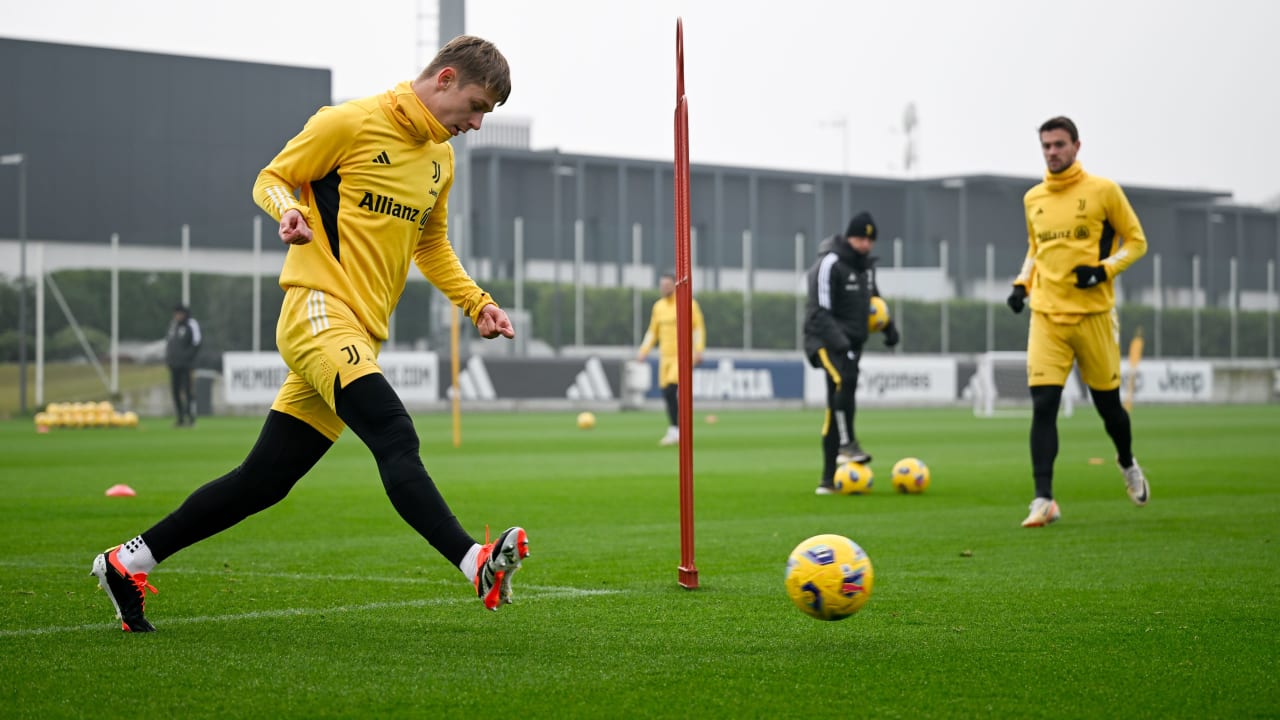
(841, 285)
(182, 343)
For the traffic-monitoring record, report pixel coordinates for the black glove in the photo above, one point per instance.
(1089, 275)
(891, 336)
(1017, 299)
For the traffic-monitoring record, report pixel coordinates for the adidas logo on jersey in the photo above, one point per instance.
(382, 158)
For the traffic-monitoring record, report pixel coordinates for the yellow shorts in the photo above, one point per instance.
(668, 370)
(322, 342)
(1092, 341)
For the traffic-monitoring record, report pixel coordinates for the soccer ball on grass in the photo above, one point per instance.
(853, 479)
(829, 577)
(910, 475)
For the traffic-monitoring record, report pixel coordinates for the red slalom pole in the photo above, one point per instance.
(684, 320)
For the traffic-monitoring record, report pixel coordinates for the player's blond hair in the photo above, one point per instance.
(477, 61)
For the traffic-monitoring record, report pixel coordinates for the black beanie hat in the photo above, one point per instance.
(862, 225)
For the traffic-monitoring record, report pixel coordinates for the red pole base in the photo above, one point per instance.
(689, 577)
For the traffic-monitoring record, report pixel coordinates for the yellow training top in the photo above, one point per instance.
(1073, 219)
(663, 331)
(374, 176)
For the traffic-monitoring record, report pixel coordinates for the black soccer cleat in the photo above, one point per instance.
(496, 563)
(127, 592)
(852, 453)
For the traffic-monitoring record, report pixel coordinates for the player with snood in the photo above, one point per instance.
(1081, 234)
(372, 178)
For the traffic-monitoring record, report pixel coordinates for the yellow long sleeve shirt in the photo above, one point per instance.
(373, 177)
(1073, 218)
(662, 330)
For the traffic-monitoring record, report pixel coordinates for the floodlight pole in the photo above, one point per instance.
(20, 160)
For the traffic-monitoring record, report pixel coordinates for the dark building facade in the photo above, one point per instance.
(139, 143)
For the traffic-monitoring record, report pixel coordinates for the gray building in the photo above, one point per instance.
(758, 216)
(140, 143)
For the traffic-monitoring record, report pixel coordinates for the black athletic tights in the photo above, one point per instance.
(1045, 400)
(671, 396)
(287, 448)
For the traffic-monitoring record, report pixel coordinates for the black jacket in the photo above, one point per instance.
(841, 284)
(182, 343)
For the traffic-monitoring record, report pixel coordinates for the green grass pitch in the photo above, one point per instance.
(328, 605)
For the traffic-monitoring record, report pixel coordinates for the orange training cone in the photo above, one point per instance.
(120, 491)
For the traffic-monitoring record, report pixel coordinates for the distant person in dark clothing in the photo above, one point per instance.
(841, 285)
(182, 344)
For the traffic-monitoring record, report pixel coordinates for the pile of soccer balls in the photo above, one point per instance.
(83, 415)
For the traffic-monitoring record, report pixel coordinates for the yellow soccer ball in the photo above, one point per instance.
(910, 475)
(586, 420)
(829, 577)
(877, 314)
(853, 479)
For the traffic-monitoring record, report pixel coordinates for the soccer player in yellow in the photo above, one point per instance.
(372, 178)
(1081, 234)
(662, 330)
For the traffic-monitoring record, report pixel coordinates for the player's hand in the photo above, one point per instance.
(1089, 275)
(697, 358)
(891, 335)
(1017, 298)
(493, 321)
(294, 229)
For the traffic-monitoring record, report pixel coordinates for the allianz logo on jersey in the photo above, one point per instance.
(726, 382)
(387, 205)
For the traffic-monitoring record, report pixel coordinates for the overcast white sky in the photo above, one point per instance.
(1169, 93)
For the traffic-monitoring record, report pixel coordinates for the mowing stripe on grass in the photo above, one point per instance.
(537, 593)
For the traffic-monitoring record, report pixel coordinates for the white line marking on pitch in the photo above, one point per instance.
(277, 575)
(540, 592)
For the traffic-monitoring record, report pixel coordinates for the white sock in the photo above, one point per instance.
(468, 564)
(136, 557)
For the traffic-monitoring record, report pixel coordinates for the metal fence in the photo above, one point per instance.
(108, 303)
